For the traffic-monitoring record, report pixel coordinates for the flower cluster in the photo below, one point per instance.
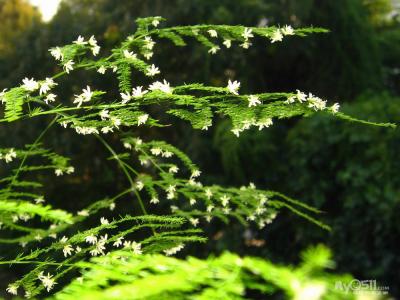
(8, 156)
(313, 102)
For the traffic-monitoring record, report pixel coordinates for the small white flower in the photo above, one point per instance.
(2, 94)
(118, 242)
(112, 206)
(192, 201)
(208, 193)
(57, 53)
(162, 86)
(174, 250)
(173, 169)
(167, 154)
(148, 55)
(301, 97)
(152, 70)
(253, 100)
(67, 250)
(115, 122)
(47, 281)
(92, 41)
(264, 123)
(58, 172)
(30, 84)
(213, 33)
(139, 185)
(276, 36)
(80, 41)
(39, 200)
(102, 70)
(247, 33)
(104, 114)
(155, 22)
(142, 119)
(287, 30)
(12, 288)
(91, 239)
(104, 221)
(171, 189)
(210, 208)
(227, 43)
(138, 92)
(245, 45)
(136, 248)
(78, 249)
(194, 221)
(335, 108)
(50, 98)
(83, 213)
(225, 200)
(156, 151)
(126, 97)
(107, 129)
(154, 200)
(95, 50)
(233, 87)
(129, 54)
(68, 66)
(46, 86)
(64, 239)
(213, 49)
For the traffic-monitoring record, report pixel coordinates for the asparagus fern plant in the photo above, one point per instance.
(51, 241)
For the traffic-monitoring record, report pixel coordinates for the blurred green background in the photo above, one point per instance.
(348, 171)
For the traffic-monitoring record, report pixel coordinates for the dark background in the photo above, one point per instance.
(349, 171)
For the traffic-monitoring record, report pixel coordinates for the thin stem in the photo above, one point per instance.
(30, 148)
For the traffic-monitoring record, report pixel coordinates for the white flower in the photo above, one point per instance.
(91, 239)
(64, 239)
(173, 169)
(57, 53)
(39, 200)
(155, 151)
(148, 55)
(174, 250)
(112, 206)
(115, 122)
(167, 154)
(152, 70)
(142, 119)
(194, 221)
(92, 41)
(276, 36)
(138, 92)
(87, 94)
(154, 200)
(50, 98)
(10, 155)
(213, 33)
(68, 66)
(149, 43)
(155, 22)
(227, 43)
(192, 201)
(213, 49)
(139, 185)
(287, 30)
(301, 97)
(247, 33)
(2, 94)
(12, 288)
(104, 221)
(315, 102)
(47, 281)
(96, 50)
(126, 97)
(253, 100)
(225, 200)
(233, 87)
(104, 114)
(83, 213)
(30, 84)
(107, 129)
(102, 70)
(118, 242)
(136, 248)
(264, 123)
(162, 86)
(129, 54)
(208, 193)
(46, 86)
(171, 189)
(58, 172)
(195, 173)
(80, 41)
(78, 249)
(335, 108)
(245, 45)
(67, 250)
